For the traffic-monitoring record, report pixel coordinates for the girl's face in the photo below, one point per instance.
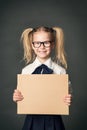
(42, 45)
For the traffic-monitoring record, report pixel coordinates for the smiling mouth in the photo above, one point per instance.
(42, 51)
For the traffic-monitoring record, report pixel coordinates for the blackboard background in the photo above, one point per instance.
(15, 16)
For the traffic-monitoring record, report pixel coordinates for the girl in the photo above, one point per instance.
(44, 51)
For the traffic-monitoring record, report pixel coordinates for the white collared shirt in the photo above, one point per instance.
(57, 69)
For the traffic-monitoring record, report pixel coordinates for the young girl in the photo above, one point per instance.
(44, 51)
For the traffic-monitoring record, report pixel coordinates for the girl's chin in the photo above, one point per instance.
(43, 56)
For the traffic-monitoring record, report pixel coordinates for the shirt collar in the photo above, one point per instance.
(48, 63)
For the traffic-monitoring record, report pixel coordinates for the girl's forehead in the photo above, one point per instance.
(42, 34)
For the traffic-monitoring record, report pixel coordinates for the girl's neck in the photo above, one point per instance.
(42, 60)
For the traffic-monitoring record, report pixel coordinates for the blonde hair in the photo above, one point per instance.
(57, 36)
(28, 55)
(60, 54)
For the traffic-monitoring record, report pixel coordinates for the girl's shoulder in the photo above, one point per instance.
(58, 69)
(28, 69)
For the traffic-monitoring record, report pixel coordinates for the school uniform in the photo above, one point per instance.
(57, 69)
(43, 122)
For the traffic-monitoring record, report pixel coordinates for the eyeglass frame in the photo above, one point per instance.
(42, 43)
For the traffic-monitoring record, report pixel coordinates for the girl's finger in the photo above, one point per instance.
(16, 98)
(16, 91)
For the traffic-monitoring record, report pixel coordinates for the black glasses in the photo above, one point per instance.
(45, 44)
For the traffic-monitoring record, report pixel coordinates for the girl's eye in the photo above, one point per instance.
(36, 43)
(46, 42)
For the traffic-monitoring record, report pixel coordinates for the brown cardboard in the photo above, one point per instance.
(43, 94)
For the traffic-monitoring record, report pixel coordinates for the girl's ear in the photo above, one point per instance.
(32, 46)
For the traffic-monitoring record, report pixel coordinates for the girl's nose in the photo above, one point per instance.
(42, 46)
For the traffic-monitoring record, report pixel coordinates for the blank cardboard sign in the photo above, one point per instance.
(43, 94)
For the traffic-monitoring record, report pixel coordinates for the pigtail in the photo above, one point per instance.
(59, 48)
(26, 40)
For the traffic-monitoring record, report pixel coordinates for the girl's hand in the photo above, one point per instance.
(17, 96)
(67, 99)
